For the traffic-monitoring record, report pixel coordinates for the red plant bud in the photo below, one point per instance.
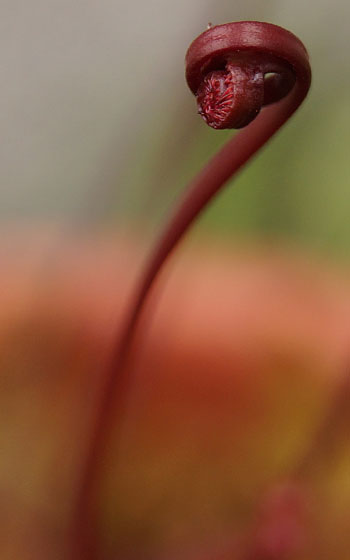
(234, 70)
(237, 68)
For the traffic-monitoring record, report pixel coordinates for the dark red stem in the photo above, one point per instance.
(246, 65)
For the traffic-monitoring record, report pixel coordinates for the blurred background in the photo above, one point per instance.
(100, 136)
(100, 126)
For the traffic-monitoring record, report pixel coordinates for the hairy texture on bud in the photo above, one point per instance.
(231, 98)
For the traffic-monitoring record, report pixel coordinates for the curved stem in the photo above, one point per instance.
(200, 192)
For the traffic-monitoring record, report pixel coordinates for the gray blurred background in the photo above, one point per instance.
(99, 127)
